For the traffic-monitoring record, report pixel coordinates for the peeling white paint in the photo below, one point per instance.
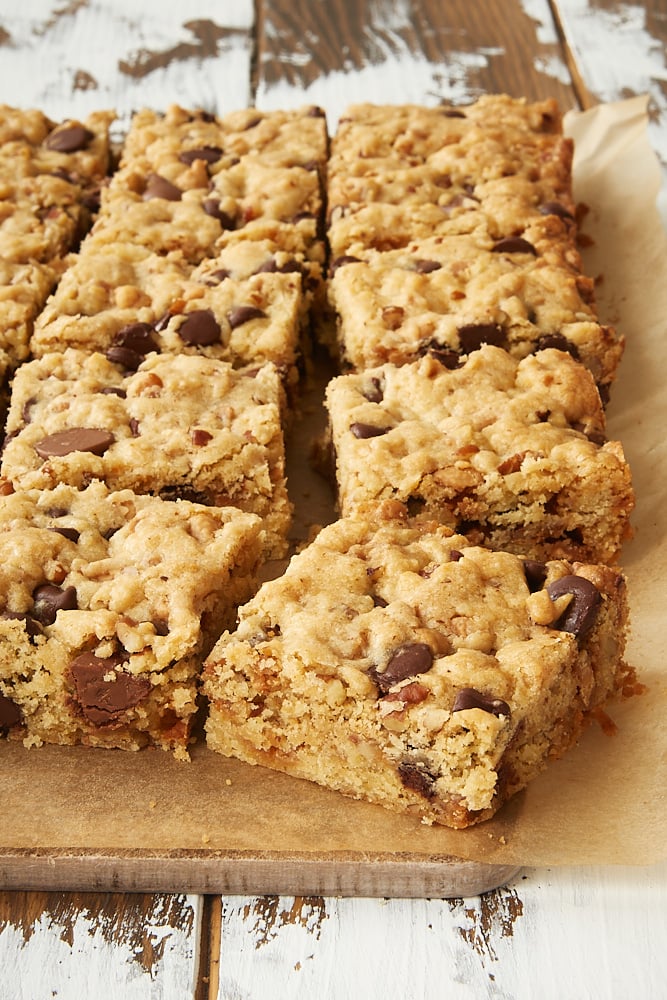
(618, 56)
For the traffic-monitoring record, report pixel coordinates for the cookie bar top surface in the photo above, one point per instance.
(178, 426)
(109, 603)
(31, 144)
(410, 131)
(516, 450)
(111, 287)
(464, 290)
(279, 138)
(396, 662)
(143, 570)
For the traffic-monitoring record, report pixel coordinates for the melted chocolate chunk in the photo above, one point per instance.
(373, 391)
(159, 187)
(103, 702)
(470, 698)
(535, 573)
(69, 138)
(580, 615)
(342, 261)
(212, 207)
(200, 328)
(446, 356)
(209, 154)
(363, 431)
(556, 342)
(426, 266)
(514, 244)
(473, 335)
(50, 599)
(90, 439)
(555, 208)
(407, 661)
(414, 775)
(70, 533)
(10, 714)
(131, 345)
(243, 314)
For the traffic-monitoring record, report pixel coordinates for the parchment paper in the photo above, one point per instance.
(603, 803)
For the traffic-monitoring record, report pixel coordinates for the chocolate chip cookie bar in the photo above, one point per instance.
(397, 663)
(511, 453)
(237, 315)
(243, 170)
(50, 176)
(458, 292)
(109, 602)
(176, 426)
(395, 170)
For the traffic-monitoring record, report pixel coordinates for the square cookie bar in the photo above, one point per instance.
(109, 603)
(511, 453)
(396, 663)
(458, 292)
(178, 427)
(112, 292)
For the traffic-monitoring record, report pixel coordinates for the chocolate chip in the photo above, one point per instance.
(181, 491)
(453, 113)
(473, 335)
(216, 277)
(209, 154)
(556, 342)
(124, 357)
(159, 187)
(446, 356)
(10, 714)
(414, 775)
(514, 244)
(555, 208)
(69, 138)
(455, 555)
(406, 661)
(91, 439)
(367, 430)
(70, 533)
(243, 314)
(426, 266)
(581, 613)
(270, 267)
(113, 390)
(470, 698)
(212, 207)
(134, 427)
(342, 261)
(138, 337)
(379, 602)
(535, 573)
(49, 600)
(102, 701)
(372, 391)
(200, 328)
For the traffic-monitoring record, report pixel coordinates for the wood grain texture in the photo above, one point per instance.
(336, 52)
(549, 934)
(93, 945)
(619, 50)
(70, 58)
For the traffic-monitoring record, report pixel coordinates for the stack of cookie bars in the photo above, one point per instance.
(454, 627)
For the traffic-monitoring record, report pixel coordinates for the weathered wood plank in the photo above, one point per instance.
(620, 50)
(116, 945)
(70, 58)
(335, 52)
(582, 933)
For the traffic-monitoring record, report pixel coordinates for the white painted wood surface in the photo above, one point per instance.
(595, 933)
